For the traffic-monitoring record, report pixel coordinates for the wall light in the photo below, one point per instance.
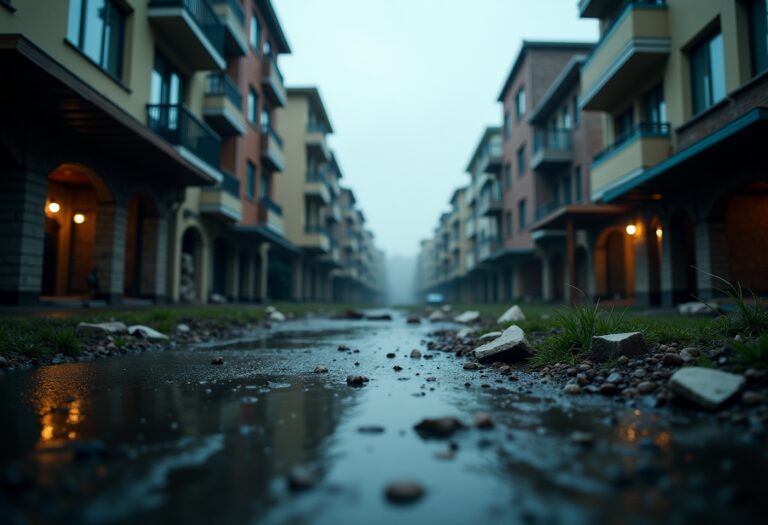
(53, 206)
(631, 229)
(79, 218)
(659, 232)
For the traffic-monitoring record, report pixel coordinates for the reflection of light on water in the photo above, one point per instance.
(74, 416)
(46, 434)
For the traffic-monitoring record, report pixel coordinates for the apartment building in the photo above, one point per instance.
(683, 88)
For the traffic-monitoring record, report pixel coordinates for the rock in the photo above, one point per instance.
(704, 386)
(447, 308)
(672, 360)
(442, 427)
(277, 317)
(436, 316)
(607, 347)
(101, 329)
(182, 328)
(413, 319)
(646, 387)
(321, 370)
(509, 347)
(218, 298)
(3, 362)
(415, 354)
(697, 308)
(343, 348)
(614, 378)
(300, 479)
(607, 389)
(270, 309)
(378, 317)
(357, 380)
(572, 389)
(397, 368)
(490, 336)
(483, 421)
(147, 333)
(217, 361)
(512, 315)
(354, 315)
(464, 333)
(371, 429)
(391, 355)
(584, 439)
(750, 397)
(468, 317)
(403, 492)
(471, 366)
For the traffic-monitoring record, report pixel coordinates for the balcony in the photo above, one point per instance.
(640, 148)
(492, 157)
(193, 29)
(316, 143)
(469, 229)
(552, 149)
(332, 212)
(232, 17)
(490, 204)
(272, 154)
(316, 237)
(272, 81)
(223, 105)
(271, 215)
(487, 247)
(194, 140)
(223, 200)
(633, 45)
(333, 257)
(315, 185)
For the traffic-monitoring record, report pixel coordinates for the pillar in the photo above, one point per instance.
(711, 258)
(109, 250)
(154, 262)
(298, 280)
(264, 274)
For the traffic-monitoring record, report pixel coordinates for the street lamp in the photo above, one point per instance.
(631, 229)
(53, 206)
(78, 218)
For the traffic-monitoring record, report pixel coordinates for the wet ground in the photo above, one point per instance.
(166, 437)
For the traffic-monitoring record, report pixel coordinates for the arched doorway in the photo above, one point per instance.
(557, 277)
(74, 197)
(140, 260)
(190, 289)
(614, 265)
(683, 253)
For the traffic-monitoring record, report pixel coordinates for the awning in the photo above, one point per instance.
(582, 215)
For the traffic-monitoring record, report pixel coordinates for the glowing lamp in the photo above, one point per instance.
(79, 218)
(659, 232)
(54, 207)
(631, 229)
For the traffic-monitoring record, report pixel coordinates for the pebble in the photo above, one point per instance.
(300, 479)
(484, 421)
(391, 355)
(442, 427)
(321, 370)
(646, 387)
(397, 368)
(614, 378)
(343, 348)
(672, 360)
(356, 380)
(471, 366)
(572, 389)
(607, 389)
(584, 439)
(415, 354)
(402, 492)
(750, 397)
(217, 361)
(623, 360)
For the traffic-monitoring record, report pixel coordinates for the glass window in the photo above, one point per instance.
(520, 103)
(577, 183)
(655, 106)
(166, 83)
(576, 112)
(264, 186)
(507, 133)
(624, 123)
(255, 32)
(250, 179)
(253, 109)
(265, 119)
(758, 35)
(521, 213)
(267, 48)
(566, 119)
(508, 176)
(521, 161)
(97, 28)
(509, 223)
(707, 73)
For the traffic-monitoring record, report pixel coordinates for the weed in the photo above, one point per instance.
(753, 352)
(748, 319)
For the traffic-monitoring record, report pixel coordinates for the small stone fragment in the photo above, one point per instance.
(301, 479)
(672, 360)
(397, 368)
(442, 427)
(750, 397)
(484, 421)
(217, 361)
(704, 386)
(321, 370)
(572, 389)
(404, 492)
(343, 348)
(356, 380)
(391, 355)
(471, 366)
(612, 346)
(415, 354)
(646, 387)
(607, 389)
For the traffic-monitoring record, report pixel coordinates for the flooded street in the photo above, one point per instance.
(166, 437)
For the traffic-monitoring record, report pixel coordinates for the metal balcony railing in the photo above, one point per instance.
(176, 124)
(268, 130)
(559, 139)
(230, 184)
(642, 128)
(204, 16)
(272, 206)
(317, 127)
(236, 8)
(219, 84)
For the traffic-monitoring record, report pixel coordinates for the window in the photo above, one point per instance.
(265, 120)
(508, 176)
(577, 182)
(758, 35)
(624, 123)
(521, 161)
(166, 84)
(520, 103)
(521, 214)
(576, 112)
(253, 103)
(255, 32)
(566, 190)
(507, 131)
(707, 73)
(655, 106)
(250, 179)
(508, 223)
(264, 186)
(267, 48)
(97, 28)
(566, 119)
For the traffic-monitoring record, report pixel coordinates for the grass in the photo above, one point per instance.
(752, 353)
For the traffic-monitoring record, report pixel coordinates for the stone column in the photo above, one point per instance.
(641, 255)
(232, 287)
(298, 281)
(711, 258)
(264, 276)
(109, 250)
(155, 260)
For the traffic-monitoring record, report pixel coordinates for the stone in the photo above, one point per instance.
(440, 428)
(413, 319)
(378, 317)
(510, 346)
(404, 492)
(270, 309)
(415, 354)
(101, 329)
(483, 421)
(391, 355)
(607, 347)
(464, 333)
(471, 366)
(583, 439)
(182, 328)
(3, 362)
(704, 386)
(513, 315)
(750, 397)
(490, 336)
(468, 317)
(397, 368)
(572, 389)
(697, 308)
(217, 361)
(357, 380)
(672, 360)
(301, 479)
(277, 317)
(436, 316)
(321, 370)
(614, 378)
(646, 387)
(147, 333)
(343, 348)
(607, 389)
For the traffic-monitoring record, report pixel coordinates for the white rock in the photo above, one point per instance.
(436, 316)
(465, 332)
(101, 329)
(705, 386)
(146, 332)
(470, 316)
(182, 328)
(447, 308)
(513, 315)
(276, 317)
(217, 298)
(511, 345)
(697, 308)
(270, 309)
(607, 347)
(490, 336)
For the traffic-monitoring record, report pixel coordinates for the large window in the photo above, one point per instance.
(521, 214)
(250, 179)
(655, 106)
(520, 103)
(167, 84)
(577, 182)
(255, 33)
(253, 107)
(521, 161)
(97, 28)
(707, 73)
(264, 186)
(758, 35)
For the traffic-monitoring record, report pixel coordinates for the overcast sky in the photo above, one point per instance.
(410, 85)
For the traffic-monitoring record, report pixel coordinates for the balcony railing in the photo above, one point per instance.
(558, 139)
(236, 8)
(317, 127)
(176, 124)
(268, 130)
(271, 205)
(219, 84)
(550, 207)
(203, 14)
(640, 129)
(230, 184)
(314, 229)
(623, 6)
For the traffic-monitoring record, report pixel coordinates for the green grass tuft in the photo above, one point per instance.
(752, 353)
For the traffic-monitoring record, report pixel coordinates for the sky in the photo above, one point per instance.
(409, 86)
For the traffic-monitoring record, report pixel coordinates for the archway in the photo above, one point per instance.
(190, 276)
(557, 277)
(614, 264)
(140, 259)
(74, 197)
(683, 253)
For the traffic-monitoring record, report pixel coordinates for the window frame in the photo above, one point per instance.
(704, 46)
(752, 19)
(252, 111)
(522, 161)
(520, 104)
(250, 179)
(78, 41)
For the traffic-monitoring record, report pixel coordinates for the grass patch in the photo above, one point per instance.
(751, 353)
(39, 338)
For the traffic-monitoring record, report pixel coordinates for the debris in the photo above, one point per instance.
(704, 386)
(607, 347)
(509, 347)
(513, 315)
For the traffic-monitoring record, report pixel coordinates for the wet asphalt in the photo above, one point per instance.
(167, 437)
